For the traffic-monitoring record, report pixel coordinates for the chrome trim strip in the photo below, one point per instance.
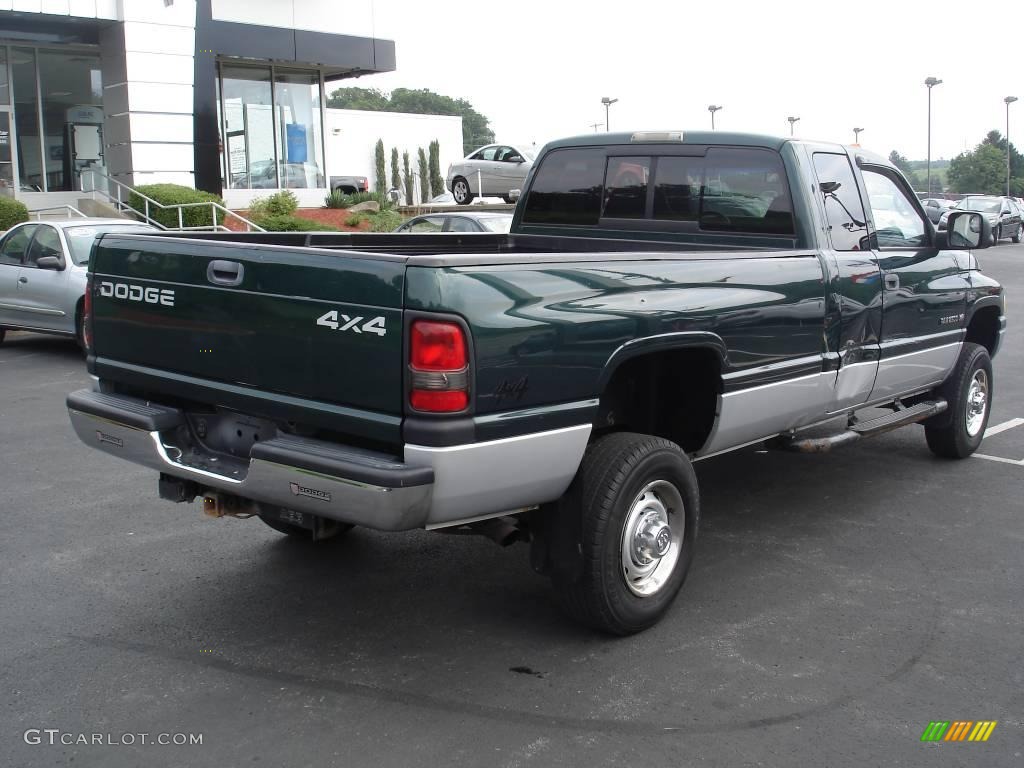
(772, 367)
(748, 390)
(478, 479)
(919, 339)
(36, 310)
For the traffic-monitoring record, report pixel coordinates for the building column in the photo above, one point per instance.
(148, 64)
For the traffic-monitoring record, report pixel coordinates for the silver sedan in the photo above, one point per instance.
(498, 168)
(43, 266)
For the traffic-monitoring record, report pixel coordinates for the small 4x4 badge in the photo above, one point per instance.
(313, 493)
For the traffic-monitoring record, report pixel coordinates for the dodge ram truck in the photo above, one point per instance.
(662, 298)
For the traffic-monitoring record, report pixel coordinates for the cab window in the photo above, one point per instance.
(567, 188)
(897, 221)
(625, 187)
(844, 210)
(12, 251)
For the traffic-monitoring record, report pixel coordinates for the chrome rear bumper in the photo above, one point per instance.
(433, 487)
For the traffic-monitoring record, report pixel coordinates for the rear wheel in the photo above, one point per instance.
(461, 192)
(637, 501)
(958, 432)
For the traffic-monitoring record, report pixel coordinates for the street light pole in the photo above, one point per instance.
(1008, 100)
(856, 135)
(712, 108)
(595, 126)
(931, 82)
(792, 122)
(607, 103)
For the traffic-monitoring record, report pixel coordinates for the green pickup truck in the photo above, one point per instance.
(662, 298)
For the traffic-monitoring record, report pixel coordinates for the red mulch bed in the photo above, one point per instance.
(335, 217)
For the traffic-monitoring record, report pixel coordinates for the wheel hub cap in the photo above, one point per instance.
(652, 538)
(977, 403)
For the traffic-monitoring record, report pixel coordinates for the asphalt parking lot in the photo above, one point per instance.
(838, 604)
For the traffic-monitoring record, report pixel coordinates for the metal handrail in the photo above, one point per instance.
(38, 212)
(148, 202)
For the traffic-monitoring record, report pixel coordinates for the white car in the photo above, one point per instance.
(43, 266)
(498, 168)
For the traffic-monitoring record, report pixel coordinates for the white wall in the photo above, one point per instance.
(351, 17)
(353, 134)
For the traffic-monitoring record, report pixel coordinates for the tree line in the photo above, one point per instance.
(981, 170)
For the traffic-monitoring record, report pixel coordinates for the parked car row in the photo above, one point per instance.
(1004, 214)
(43, 266)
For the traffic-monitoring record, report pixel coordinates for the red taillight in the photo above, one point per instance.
(437, 346)
(438, 361)
(87, 314)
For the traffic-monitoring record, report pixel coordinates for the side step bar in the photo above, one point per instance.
(871, 428)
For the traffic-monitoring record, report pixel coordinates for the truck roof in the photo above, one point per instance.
(672, 137)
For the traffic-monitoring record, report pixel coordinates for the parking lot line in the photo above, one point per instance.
(999, 459)
(1003, 427)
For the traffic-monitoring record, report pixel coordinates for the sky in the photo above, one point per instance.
(538, 70)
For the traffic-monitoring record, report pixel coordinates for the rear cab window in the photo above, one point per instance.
(725, 189)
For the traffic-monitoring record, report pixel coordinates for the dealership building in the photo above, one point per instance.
(224, 95)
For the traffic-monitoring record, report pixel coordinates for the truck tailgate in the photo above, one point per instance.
(309, 324)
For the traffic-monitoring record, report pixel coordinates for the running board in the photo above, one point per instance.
(871, 428)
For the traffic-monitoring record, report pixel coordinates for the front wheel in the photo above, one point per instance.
(997, 235)
(1017, 235)
(461, 192)
(638, 505)
(3, 333)
(958, 432)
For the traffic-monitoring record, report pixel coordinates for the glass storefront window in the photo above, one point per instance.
(249, 127)
(299, 143)
(72, 94)
(26, 117)
(5, 87)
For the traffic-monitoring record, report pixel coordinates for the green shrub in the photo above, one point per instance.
(337, 199)
(281, 203)
(355, 219)
(385, 221)
(175, 194)
(12, 212)
(290, 223)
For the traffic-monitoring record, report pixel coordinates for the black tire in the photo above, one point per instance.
(331, 530)
(508, 199)
(1017, 235)
(997, 233)
(954, 434)
(3, 332)
(605, 495)
(460, 188)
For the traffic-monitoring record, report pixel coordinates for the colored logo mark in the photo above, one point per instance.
(959, 730)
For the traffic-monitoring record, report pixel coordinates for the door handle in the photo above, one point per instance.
(22, 279)
(892, 282)
(229, 273)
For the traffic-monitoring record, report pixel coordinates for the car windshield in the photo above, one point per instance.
(81, 238)
(530, 153)
(980, 204)
(496, 223)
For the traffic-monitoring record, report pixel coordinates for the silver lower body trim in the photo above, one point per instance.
(481, 479)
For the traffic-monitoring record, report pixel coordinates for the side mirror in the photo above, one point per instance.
(968, 229)
(50, 262)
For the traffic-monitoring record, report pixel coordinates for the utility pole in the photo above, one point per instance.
(792, 122)
(712, 108)
(1008, 101)
(931, 82)
(607, 103)
(856, 135)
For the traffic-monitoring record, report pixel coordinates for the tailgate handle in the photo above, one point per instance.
(225, 272)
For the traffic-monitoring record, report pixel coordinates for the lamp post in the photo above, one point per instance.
(792, 122)
(931, 82)
(1008, 101)
(595, 126)
(856, 135)
(607, 103)
(712, 108)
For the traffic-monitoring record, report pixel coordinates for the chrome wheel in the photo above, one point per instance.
(652, 538)
(460, 191)
(977, 403)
